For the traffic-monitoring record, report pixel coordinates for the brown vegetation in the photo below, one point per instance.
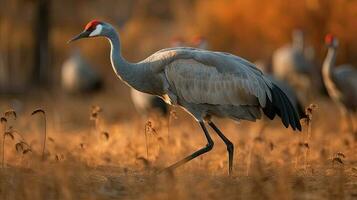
(118, 159)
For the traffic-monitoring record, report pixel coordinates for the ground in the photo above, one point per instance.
(115, 154)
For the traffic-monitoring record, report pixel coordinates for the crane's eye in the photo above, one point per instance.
(97, 31)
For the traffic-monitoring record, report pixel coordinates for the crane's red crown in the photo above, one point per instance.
(329, 38)
(92, 24)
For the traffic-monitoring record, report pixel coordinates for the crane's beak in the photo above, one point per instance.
(84, 34)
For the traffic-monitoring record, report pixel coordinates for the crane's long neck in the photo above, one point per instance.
(298, 41)
(131, 73)
(327, 72)
(329, 62)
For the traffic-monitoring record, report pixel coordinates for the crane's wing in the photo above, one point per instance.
(217, 78)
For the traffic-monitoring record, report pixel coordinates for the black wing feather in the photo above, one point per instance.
(281, 106)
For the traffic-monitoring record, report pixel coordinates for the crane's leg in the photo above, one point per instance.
(350, 117)
(205, 149)
(229, 144)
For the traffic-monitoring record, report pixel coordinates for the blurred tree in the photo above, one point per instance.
(41, 38)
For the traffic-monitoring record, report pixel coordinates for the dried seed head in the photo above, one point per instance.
(3, 120)
(95, 110)
(354, 169)
(258, 139)
(149, 128)
(304, 145)
(8, 133)
(272, 146)
(10, 113)
(59, 157)
(338, 160)
(38, 111)
(19, 147)
(339, 154)
(22, 147)
(93, 116)
(26, 151)
(145, 161)
(105, 134)
(310, 109)
(51, 139)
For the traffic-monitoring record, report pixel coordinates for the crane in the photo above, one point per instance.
(205, 83)
(291, 63)
(78, 76)
(340, 82)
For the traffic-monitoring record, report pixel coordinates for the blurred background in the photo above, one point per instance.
(34, 35)
(99, 147)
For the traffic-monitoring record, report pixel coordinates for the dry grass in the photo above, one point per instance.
(118, 159)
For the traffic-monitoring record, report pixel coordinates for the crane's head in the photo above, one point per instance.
(93, 29)
(331, 41)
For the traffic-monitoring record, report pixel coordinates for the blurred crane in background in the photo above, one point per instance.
(204, 83)
(292, 64)
(341, 82)
(200, 42)
(78, 76)
(177, 42)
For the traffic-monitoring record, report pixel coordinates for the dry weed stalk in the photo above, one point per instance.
(145, 161)
(94, 116)
(338, 158)
(306, 143)
(10, 113)
(148, 129)
(7, 132)
(23, 147)
(172, 115)
(308, 120)
(105, 134)
(41, 111)
(3, 121)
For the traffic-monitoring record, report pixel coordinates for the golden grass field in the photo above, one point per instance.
(114, 154)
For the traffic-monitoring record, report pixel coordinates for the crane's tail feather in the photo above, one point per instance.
(281, 106)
